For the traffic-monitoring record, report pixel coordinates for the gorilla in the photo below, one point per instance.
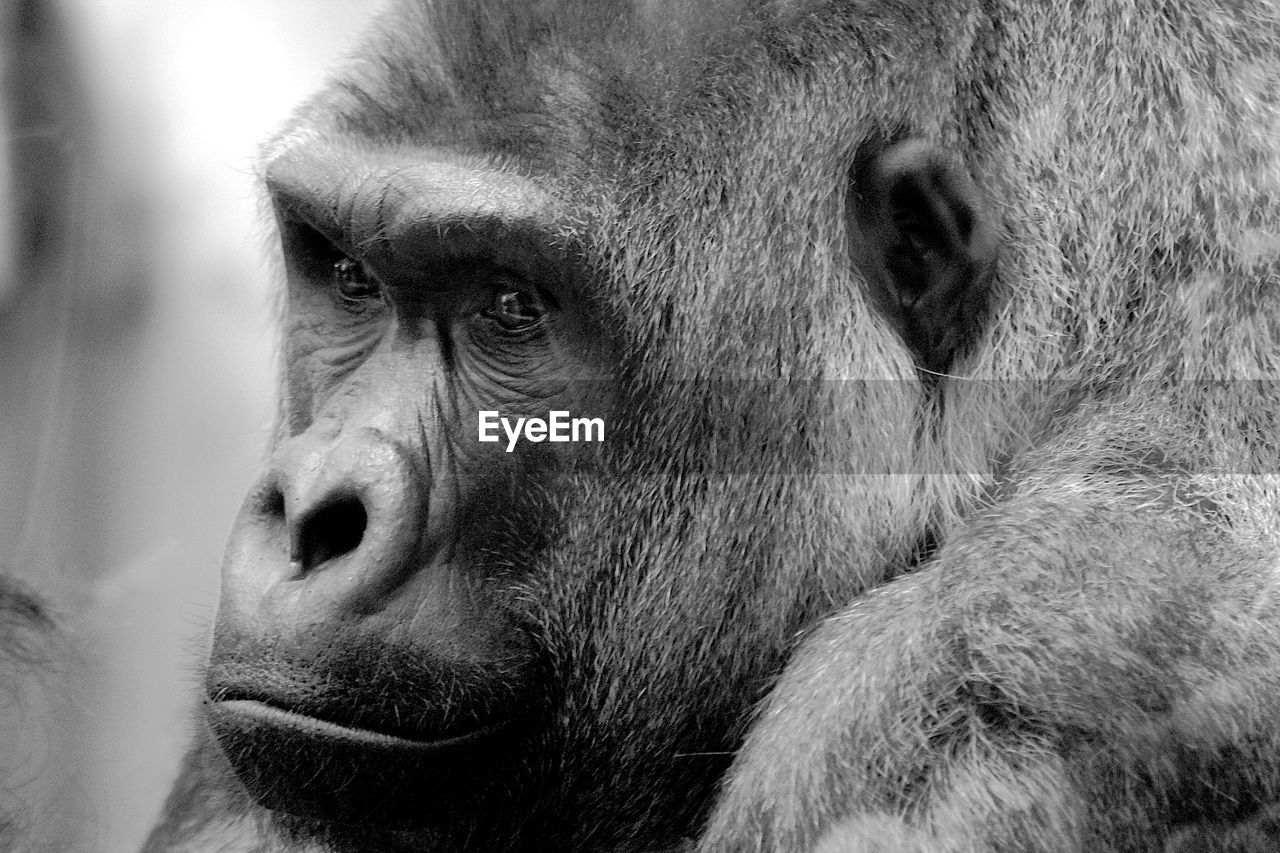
(937, 505)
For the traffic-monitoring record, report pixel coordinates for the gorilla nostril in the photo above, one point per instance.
(334, 529)
(271, 504)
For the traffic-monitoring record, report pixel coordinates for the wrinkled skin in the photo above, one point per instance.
(936, 509)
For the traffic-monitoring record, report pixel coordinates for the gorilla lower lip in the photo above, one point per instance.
(261, 713)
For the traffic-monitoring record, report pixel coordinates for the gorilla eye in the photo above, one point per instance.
(354, 282)
(516, 310)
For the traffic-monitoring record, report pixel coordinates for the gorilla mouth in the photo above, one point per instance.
(316, 761)
(317, 728)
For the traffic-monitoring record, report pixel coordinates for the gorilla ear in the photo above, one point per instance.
(922, 236)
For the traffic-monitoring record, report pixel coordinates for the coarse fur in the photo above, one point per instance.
(843, 602)
(33, 656)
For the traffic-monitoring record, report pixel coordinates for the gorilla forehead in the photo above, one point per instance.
(522, 79)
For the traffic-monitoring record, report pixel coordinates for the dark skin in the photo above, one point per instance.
(918, 524)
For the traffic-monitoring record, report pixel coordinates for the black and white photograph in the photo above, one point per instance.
(640, 426)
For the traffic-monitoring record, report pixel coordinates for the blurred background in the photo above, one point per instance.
(136, 357)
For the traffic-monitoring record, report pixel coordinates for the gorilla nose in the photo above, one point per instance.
(351, 513)
(327, 531)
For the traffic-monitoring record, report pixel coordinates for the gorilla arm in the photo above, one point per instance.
(1087, 663)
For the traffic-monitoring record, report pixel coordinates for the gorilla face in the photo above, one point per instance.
(761, 244)
(376, 656)
(426, 631)
(480, 641)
